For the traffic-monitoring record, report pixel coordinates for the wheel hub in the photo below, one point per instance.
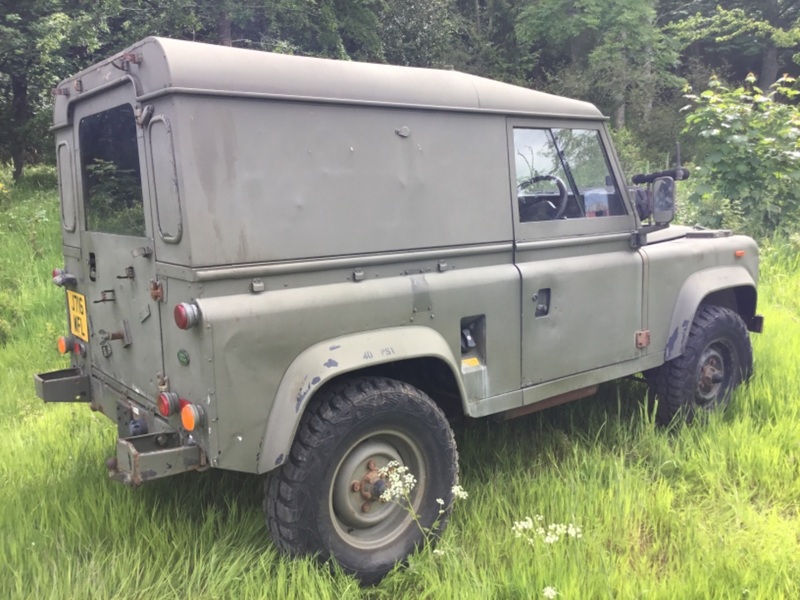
(712, 375)
(358, 485)
(371, 487)
(358, 514)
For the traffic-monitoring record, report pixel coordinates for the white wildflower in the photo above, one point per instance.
(550, 533)
(440, 502)
(574, 531)
(459, 493)
(400, 481)
(438, 552)
(549, 592)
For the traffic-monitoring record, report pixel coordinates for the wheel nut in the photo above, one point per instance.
(365, 507)
(356, 486)
(371, 465)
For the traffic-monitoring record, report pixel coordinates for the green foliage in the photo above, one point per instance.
(748, 151)
(610, 52)
(630, 152)
(115, 204)
(768, 26)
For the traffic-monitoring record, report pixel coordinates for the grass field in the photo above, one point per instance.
(696, 512)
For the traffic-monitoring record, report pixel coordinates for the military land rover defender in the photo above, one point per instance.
(303, 267)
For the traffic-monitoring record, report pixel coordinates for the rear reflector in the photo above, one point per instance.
(186, 315)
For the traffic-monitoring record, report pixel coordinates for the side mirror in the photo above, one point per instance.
(663, 200)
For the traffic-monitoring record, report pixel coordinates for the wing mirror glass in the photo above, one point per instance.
(663, 200)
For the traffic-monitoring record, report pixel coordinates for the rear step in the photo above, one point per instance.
(68, 385)
(152, 456)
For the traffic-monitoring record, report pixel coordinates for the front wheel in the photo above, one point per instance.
(326, 499)
(718, 357)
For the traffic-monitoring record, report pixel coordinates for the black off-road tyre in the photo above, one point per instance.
(348, 432)
(718, 357)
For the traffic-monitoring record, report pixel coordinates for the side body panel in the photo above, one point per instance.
(258, 337)
(684, 271)
(275, 181)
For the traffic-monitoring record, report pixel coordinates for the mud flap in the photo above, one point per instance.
(144, 458)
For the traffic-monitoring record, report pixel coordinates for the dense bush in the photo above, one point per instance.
(748, 157)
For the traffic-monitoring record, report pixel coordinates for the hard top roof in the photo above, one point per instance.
(175, 66)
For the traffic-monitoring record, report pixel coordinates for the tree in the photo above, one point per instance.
(608, 51)
(38, 40)
(753, 35)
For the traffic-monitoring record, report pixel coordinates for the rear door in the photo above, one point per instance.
(112, 308)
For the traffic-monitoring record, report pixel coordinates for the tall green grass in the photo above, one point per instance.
(693, 512)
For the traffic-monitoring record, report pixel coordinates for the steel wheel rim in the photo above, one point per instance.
(714, 374)
(382, 522)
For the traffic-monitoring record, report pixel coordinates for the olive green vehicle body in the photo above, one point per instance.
(330, 218)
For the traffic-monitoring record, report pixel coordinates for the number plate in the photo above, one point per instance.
(78, 319)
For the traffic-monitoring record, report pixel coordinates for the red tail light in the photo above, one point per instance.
(186, 315)
(168, 403)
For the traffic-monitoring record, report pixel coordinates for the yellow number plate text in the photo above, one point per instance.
(78, 319)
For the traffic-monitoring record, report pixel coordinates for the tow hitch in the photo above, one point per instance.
(143, 458)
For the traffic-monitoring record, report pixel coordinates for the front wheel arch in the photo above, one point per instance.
(731, 287)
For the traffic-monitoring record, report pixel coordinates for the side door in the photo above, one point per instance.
(581, 280)
(116, 238)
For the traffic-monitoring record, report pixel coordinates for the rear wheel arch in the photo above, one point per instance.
(415, 355)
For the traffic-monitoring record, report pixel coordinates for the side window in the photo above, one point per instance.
(112, 183)
(563, 174)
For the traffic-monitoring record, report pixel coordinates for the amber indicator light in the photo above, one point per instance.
(739, 253)
(64, 345)
(191, 417)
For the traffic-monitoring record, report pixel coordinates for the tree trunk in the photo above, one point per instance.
(769, 60)
(224, 29)
(769, 67)
(619, 116)
(20, 114)
(478, 15)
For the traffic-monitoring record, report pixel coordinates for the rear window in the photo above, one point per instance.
(112, 180)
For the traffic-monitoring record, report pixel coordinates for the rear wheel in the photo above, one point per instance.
(718, 357)
(326, 499)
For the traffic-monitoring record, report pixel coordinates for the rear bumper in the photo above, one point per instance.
(138, 458)
(144, 458)
(68, 385)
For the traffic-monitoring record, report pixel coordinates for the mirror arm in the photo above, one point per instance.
(639, 237)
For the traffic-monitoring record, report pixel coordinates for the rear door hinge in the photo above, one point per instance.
(643, 338)
(157, 290)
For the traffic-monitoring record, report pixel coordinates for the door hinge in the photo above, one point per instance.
(643, 338)
(157, 290)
